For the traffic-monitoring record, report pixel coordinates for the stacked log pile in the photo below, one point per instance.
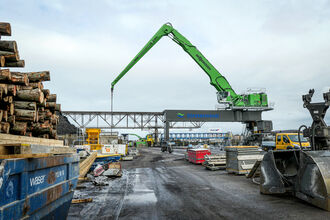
(26, 107)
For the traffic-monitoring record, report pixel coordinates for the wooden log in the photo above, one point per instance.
(10, 46)
(10, 108)
(26, 87)
(30, 95)
(46, 93)
(39, 129)
(2, 61)
(10, 56)
(25, 115)
(12, 89)
(51, 105)
(43, 104)
(6, 53)
(58, 107)
(5, 99)
(18, 87)
(5, 116)
(21, 79)
(46, 115)
(19, 63)
(19, 128)
(39, 76)
(5, 75)
(54, 119)
(5, 127)
(5, 29)
(25, 105)
(4, 88)
(51, 98)
(37, 85)
(11, 119)
(8, 99)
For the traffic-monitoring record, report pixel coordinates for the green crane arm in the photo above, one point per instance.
(134, 135)
(216, 79)
(164, 30)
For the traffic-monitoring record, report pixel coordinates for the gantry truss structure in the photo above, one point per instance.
(124, 120)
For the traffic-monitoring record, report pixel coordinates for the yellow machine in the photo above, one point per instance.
(93, 138)
(287, 141)
(150, 140)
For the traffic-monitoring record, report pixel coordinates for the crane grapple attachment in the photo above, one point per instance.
(303, 174)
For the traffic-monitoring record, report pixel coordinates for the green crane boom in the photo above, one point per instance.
(224, 90)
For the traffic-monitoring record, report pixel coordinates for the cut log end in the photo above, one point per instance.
(5, 29)
(19, 63)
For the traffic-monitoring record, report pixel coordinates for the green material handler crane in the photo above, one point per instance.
(225, 92)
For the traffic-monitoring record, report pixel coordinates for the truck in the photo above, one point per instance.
(286, 141)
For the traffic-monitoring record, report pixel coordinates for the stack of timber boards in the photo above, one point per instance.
(14, 146)
(26, 108)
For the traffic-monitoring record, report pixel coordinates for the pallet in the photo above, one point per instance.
(14, 139)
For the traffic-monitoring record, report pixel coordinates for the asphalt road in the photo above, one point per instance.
(159, 185)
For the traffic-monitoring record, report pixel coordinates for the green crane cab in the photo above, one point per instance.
(225, 92)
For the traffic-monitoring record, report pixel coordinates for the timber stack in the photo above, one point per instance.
(26, 107)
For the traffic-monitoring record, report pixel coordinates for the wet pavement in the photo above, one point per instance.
(159, 185)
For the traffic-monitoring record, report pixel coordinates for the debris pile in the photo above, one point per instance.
(26, 107)
(101, 173)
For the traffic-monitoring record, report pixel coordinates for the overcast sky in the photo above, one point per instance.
(282, 46)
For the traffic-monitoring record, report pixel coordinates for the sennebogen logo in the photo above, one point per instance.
(180, 115)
